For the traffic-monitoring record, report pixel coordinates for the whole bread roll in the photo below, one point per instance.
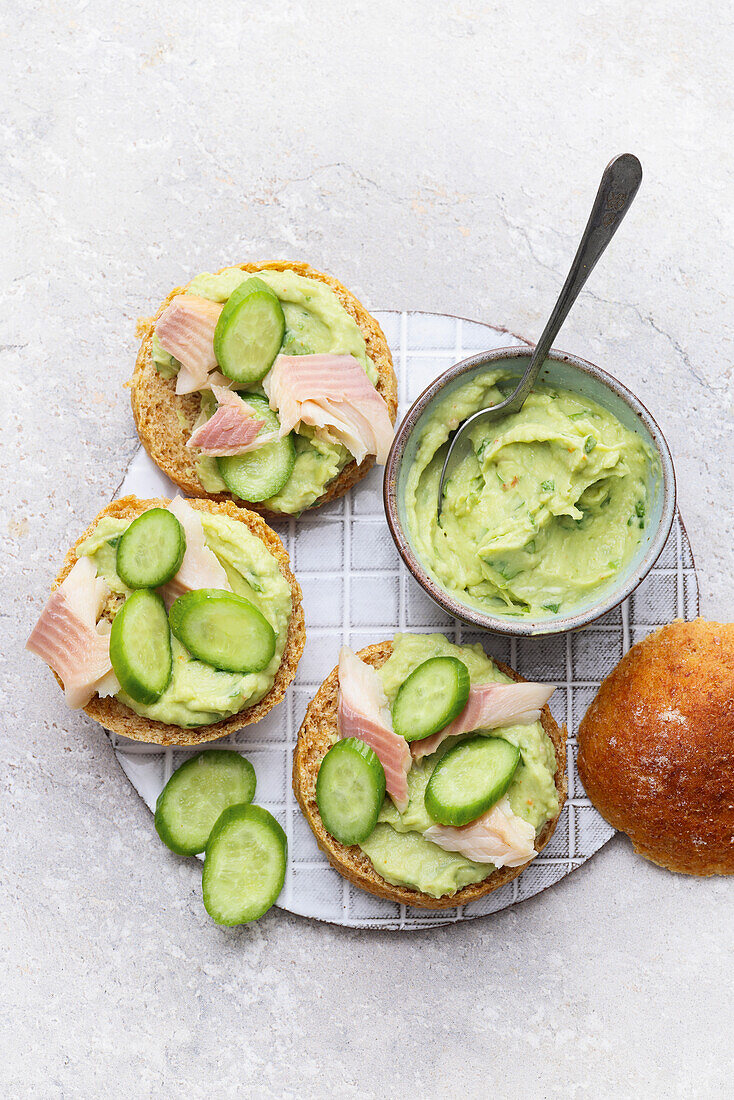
(656, 747)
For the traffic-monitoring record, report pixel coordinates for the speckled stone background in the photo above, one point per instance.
(435, 156)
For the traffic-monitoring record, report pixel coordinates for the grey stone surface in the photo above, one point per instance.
(436, 156)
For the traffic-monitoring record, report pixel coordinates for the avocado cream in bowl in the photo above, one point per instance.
(552, 516)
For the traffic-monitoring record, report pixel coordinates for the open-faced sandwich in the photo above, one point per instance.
(268, 384)
(429, 774)
(173, 622)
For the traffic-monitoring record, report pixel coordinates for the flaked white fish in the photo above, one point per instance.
(200, 567)
(488, 707)
(499, 836)
(69, 640)
(363, 712)
(333, 394)
(232, 430)
(185, 330)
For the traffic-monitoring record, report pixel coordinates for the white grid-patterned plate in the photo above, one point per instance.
(356, 590)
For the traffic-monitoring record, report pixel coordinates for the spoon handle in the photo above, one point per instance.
(618, 187)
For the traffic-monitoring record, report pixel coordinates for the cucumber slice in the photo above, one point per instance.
(470, 778)
(151, 550)
(432, 696)
(223, 630)
(249, 332)
(140, 646)
(244, 866)
(197, 794)
(350, 789)
(260, 474)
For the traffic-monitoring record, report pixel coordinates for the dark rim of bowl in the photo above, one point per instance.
(497, 624)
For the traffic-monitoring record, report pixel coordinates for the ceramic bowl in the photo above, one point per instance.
(566, 372)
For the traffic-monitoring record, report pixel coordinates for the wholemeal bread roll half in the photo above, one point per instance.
(119, 718)
(315, 737)
(656, 747)
(164, 419)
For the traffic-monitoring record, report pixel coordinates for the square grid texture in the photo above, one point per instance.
(356, 592)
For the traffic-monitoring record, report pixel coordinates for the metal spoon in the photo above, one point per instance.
(618, 187)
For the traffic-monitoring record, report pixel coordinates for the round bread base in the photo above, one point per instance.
(120, 719)
(316, 736)
(165, 419)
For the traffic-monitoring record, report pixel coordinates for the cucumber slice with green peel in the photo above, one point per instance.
(432, 696)
(259, 475)
(140, 646)
(197, 794)
(350, 789)
(223, 629)
(244, 866)
(249, 332)
(151, 549)
(470, 778)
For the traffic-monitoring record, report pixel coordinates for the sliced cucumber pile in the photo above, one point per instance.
(222, 629)
(197, 794)
(244, 867)
(350, 789)
(260, 474)
(151, 549)
(470, 778)
(206, 806)
(140, 646)
(431, 697)
(249, 332)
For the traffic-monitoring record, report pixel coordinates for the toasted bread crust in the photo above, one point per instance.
(120, 719)
(315, 739)
(656, 747)
(164, 419)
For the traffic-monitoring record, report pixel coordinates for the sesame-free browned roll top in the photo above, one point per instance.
(656, 747)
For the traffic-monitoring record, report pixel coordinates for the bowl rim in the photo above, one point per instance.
(497, 624)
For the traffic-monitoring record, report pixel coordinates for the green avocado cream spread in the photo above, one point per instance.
(198, 693)
(396, 848)
(315, 323)
(547, 505)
